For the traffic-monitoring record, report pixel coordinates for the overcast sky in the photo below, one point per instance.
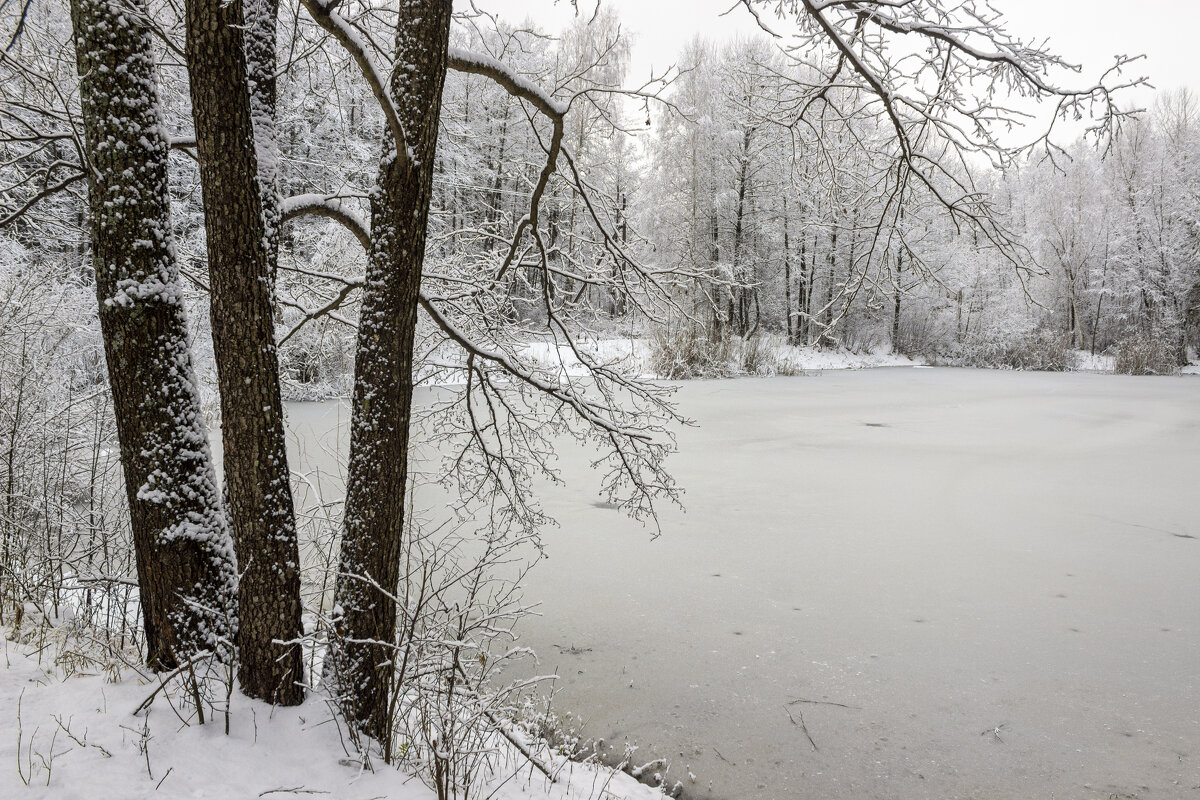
(1089, 32)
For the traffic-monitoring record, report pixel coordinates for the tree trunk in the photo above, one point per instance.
(803, 293)
(361, 662)
(738, 305)
(898, 292)
(787, 279)
(260, 35)
(827, 315)
(240, 249)
(1192, 319)
(185, 562)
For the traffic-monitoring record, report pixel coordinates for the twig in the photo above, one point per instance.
(821, 703)
(294, 790)
(801, 724)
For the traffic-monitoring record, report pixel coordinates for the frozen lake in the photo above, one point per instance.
(981, 584)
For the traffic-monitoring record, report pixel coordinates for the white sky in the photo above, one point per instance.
(1088, 32)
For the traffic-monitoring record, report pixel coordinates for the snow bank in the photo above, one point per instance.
(634, 353)
(78, 737)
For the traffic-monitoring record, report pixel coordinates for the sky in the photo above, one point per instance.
(1087, 32)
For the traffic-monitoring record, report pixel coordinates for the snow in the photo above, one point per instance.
(945, 551)
(991, 570)
(466, 60)
(634, 353)
(110, 752)
(1086, 362)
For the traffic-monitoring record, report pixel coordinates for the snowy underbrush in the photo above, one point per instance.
(84, 718)
(1050, 350)
(1041, 350)
(1144, 354)
(104, 727)
(688, 352)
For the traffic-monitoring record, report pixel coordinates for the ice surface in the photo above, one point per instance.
(992, 572)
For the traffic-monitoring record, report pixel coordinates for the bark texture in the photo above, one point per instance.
(186, 572)
(361, 665)
(240, 249)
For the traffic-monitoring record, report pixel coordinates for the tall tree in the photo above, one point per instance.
(184, 556)
(242, 231)
(383, 370)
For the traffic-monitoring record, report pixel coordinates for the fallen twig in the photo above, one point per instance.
(821, 703)
(801, 724)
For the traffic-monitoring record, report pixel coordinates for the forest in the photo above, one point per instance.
(494, 244)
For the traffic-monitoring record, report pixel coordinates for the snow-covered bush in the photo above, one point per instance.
(1146, 354)
(1040, 350)
(686, 351)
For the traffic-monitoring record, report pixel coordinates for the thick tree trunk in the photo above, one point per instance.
(240, 248)
(186, 572)
(260, 35)
(361, 663)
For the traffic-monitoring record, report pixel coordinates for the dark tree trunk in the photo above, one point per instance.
(898, 291)
(803, 294)
(739, 301)
(361, 663)
(827, 315)
(787, 279)
(1191, 321)
(240, 247)
(186, 572)
(260, 35)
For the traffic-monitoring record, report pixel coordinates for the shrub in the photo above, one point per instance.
(1039, 350)
(687, 351)
(1145, 354)
(756, 356)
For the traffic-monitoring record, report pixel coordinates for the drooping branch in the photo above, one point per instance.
(324, 14)
(331, 207)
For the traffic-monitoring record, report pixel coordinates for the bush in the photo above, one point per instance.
(1145, 354)
(1040, 350)
(756, 356)
(687, 351)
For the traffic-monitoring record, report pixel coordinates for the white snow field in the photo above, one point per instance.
(958, 583)
(77, 738)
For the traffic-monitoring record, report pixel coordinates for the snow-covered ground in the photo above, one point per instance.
(1086, 362)
(634, 353)
(78, 737)
(894, 583)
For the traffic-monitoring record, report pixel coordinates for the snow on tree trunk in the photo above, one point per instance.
(383, 374)
(241, 232)
(184, 555)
